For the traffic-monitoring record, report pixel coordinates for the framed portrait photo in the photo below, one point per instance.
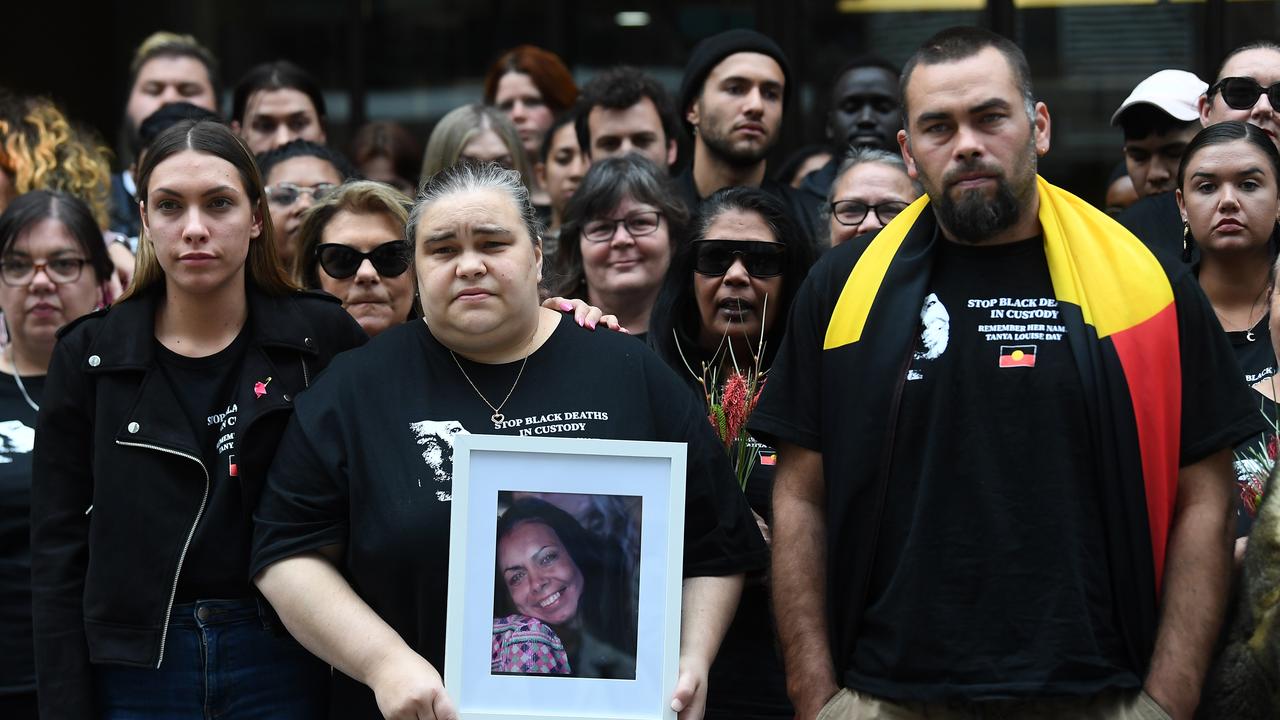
(565, 568)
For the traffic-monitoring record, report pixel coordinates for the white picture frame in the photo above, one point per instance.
(490, 470)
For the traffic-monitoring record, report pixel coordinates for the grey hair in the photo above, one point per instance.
(468, 177)
(859, 156)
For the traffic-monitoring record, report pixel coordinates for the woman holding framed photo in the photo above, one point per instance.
(352, 535)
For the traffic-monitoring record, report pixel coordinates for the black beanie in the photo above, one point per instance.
(708, 53)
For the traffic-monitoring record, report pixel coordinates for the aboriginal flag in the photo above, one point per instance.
(1017, 356)
(1116, 303)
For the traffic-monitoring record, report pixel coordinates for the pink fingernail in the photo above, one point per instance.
(566, 306)
(581, 323)
(592, 325)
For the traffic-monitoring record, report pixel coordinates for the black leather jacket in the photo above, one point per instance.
(119, 483)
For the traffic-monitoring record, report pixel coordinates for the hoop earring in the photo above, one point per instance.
(1188, 242)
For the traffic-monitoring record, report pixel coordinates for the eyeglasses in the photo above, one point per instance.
(638, 224)
(852, 212)
(761, 259)
(286, 194)
(389, 259)
(1242, 93)
(61, 270)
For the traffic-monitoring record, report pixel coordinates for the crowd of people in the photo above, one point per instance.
(1010, 459)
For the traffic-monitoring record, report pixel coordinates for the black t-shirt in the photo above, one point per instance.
(968, 602)
(1257, 360)
(747, 680)
(991, 577)
(204, 386)
(17, 437)
(367, 462)
(1157, 222)
(1254, 352)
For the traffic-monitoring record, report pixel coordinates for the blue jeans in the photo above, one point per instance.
(222, 660)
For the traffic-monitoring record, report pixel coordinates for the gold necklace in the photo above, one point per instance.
(497, 416)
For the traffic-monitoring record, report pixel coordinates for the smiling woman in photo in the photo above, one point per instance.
(557, 597)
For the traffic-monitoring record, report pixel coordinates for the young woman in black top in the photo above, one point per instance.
(1229, 196)
(160, 417)
(53, 269)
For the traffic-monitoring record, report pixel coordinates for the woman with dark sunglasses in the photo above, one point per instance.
(360, 221)
(365, 220)
(729, 288)
(1247, 90)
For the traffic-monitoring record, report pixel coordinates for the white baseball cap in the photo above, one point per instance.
(1176, 92)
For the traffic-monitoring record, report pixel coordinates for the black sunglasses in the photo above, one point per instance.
(761, 259)
(389, 259)
(1242, 93)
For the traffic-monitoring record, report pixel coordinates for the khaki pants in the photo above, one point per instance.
(1115, 705)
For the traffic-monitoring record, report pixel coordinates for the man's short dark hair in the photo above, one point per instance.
(168, 116)
(1140, 122)
(278, 75)
(866, 60)
(618, 88)
(305, 148)
(960, 43)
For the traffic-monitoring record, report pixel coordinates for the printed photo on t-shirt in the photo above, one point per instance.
(566, 585)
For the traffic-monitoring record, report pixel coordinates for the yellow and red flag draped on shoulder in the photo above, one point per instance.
(1117, 303)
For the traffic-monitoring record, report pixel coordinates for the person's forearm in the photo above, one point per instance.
(325, 615)
(707, 607)
(799, 579)
(1196, 585)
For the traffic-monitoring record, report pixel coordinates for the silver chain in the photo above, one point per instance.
(17, 379)
(497, 416)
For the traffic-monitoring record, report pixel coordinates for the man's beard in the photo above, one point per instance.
(722, 147)
(973, 218)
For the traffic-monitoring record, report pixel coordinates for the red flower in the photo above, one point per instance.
(735, 403)
(1251, 495)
